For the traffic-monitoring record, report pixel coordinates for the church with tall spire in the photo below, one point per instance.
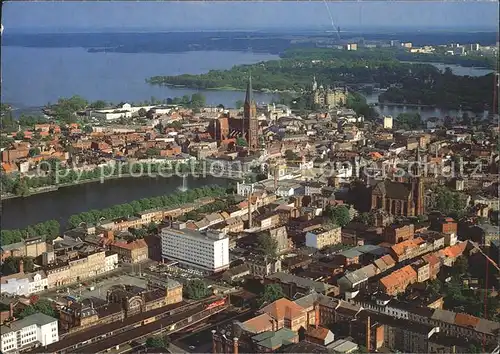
(250, 118)
(246, 127)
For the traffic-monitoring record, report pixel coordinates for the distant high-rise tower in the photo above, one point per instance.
(250, 114)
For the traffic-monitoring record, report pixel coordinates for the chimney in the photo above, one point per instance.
(110, 236)
(288, 314)
(11, 310)
(214, 342)
(235, 345)
(275, 177)
(368, 334)
(228, 345)
(249, 210)
(21, 267)
(317, 318)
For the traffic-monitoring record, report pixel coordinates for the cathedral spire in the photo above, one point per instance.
(249, 94)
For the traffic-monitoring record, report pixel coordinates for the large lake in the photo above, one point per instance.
(36, 76)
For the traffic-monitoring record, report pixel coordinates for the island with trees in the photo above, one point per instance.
(409, 83)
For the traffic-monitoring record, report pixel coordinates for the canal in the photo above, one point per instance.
(59, 205)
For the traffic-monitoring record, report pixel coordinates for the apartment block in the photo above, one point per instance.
(323, 237)
(208, 250)
(31, 331)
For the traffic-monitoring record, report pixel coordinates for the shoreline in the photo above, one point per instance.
(221, 88)
(49, 189)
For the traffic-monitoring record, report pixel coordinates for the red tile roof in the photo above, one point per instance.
(140, 243)
(278, 309)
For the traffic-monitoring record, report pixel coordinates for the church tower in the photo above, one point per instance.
(418, 186)
(250, 118)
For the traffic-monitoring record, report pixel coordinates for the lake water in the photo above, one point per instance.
(426, 112)
(457, 69)
(61, 204)
(36, 76)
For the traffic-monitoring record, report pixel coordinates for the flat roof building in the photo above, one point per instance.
(208, 250)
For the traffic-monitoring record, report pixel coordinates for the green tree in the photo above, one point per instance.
(157, 342)
(239, 104)
(28, 264)
(99, 104)
(175, 125)
(10, 266)
(366, 218)
(152, 152)
(474, 348)
(271, 293)
(34, 152)
(198, 100)
(434, 287)
(196, 289)
(185, 100)
(22, 189)
(75, 221)
(152, 227)
(448, 201)
(42, 305)
(142, 112)
(240, 141)
(339, 215)
(461, 266)
(140, 232)
(291, 156)
(267, 245)
(408, 121)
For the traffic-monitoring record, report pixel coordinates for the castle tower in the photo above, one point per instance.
(250, 115)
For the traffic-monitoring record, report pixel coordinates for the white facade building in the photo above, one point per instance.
(324, 237)
(16, 286)
(33, 330)
(25, 284)
(208, 250)
(388, 121)
(110, 261)
(38, 282)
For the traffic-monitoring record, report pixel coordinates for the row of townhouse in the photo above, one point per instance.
(423, 261)
(155, 215)
(421, 269)
(72, 270)
(450, 323)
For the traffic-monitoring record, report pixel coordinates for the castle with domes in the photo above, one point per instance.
(328, 97)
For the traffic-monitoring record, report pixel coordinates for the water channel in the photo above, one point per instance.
(61, 204)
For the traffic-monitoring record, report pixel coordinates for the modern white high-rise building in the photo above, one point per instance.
(207, 250)
(31, 331)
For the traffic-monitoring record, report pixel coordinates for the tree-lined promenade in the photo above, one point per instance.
(49, 230)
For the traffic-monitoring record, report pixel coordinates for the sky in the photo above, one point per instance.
(191, 16)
